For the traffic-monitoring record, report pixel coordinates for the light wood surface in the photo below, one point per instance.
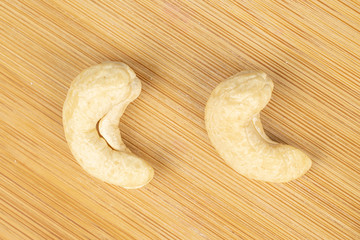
(181, 50)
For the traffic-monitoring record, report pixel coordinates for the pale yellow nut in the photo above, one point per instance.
(96, 100)
(232, 118)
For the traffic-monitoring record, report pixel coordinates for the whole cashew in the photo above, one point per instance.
(96, 100)
(232, 118)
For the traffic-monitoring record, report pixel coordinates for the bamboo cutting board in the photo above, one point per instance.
(181, 50)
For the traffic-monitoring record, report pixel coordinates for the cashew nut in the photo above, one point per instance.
(232, 118)
(96, 100)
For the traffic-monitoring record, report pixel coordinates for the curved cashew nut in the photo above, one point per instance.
(96, 100)
(232, 119)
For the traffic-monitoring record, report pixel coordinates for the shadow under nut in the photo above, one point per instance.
(95, 102)
(232, 119)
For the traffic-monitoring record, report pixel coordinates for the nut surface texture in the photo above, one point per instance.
(232, 118)
(96, 100)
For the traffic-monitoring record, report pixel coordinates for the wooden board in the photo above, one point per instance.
(181, 50)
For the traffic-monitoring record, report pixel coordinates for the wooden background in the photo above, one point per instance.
(181, 50)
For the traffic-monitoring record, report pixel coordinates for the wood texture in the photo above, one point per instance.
(181, 50)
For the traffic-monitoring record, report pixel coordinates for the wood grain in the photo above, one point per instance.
(181, 50)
